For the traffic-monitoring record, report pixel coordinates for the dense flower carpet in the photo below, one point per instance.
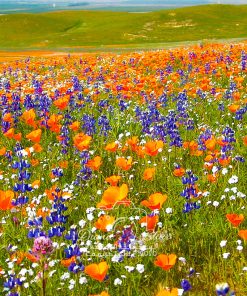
(124, 174)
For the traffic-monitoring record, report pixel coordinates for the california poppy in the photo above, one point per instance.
(97, 271)
(6, 199)
(112, 147)
(113, 180)
(34, 136)
(173, 292)
(28, 117)
(235, 219)
(95, 163)
(179, 172)
(31, 257)
(10, 133)
(103, 293)
(224, 161)
(210, 144)
(53, 123)
(148, 174)
(18, 257)
(233, 108)
(212, 178)
(3, 151)
(243, 234)
(152, 148)
(37, 147)
(245, 140)
(34, 162)
(62, 103)
(75, 125)
(166, 262)
(133, 143)
(36, 184)
(104, 222)
(155, 201)
(150, 222)
(124, 164)
(114, 195)
(82, 141)
(67, 262)
(8, 117)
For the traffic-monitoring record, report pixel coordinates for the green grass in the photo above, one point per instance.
(55, 30)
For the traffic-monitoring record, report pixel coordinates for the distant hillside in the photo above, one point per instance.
(101, 28)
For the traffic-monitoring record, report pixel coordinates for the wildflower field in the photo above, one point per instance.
(124, 174)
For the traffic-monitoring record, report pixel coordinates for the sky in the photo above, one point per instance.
(143, 2)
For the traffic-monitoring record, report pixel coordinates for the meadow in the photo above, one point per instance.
(124, 174)
(78, 29)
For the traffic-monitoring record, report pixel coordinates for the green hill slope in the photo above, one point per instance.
(97, 28)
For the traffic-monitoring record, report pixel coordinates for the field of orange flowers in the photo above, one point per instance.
(124, 174)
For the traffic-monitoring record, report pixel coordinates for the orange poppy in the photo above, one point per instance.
(166, 262)
(233, 108)
(152, 148)
(173, 292)
(63, 164)
(75, 126)
(124, 164)
(212, 178)
(43, 212)
(133, 143)
(67, 262)
(235, 219)
(17, 137)
(97, 271)
(29, 117)
(50, 192)
(8, 117)
(210, 144)
(150, 221)
(140, 151)
(36, 184)
(193, 145)
(37, 147)
(62, 103)
(112, 147)
(148, 174)
(179, 172)
(10, 133)
(18, 256)
(53, 123)
(114, 195)
(245, 140)
(34, 136)
(31, 257)
(243, 234)
(113, 180)
(34, 162)
(224, 161)
(104, 293)
(3, 151)
(103, 222)
(208, 158)
(208, 165)
(95, 163)
(5, 199)
(155, 201)
(82, 141)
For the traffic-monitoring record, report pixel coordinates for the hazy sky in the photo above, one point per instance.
(143, 2)
(139, 2)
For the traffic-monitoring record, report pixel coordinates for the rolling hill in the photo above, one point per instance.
(66, 29)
